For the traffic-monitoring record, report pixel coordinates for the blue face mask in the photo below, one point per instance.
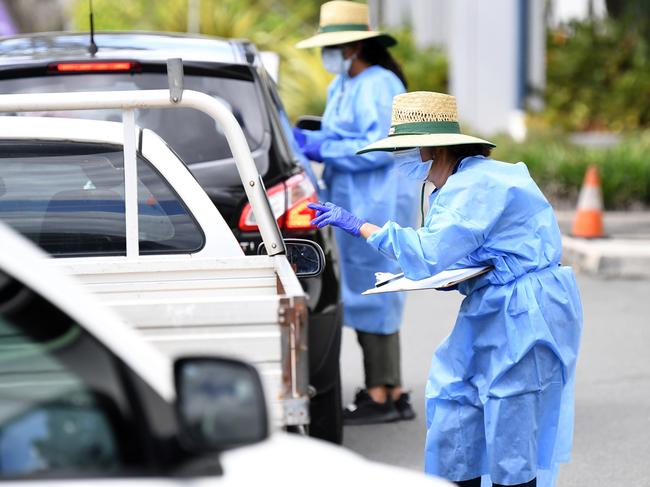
(410, 164)
(334, 62)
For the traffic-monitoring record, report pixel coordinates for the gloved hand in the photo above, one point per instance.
(312, 151)
(300, 137)
(330, 214)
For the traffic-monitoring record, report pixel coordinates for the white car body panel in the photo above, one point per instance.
(29, 265)
(201, 306)
(215, 300)
(283, 459)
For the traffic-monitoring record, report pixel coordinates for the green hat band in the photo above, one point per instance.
(343, 27)
(424, 128)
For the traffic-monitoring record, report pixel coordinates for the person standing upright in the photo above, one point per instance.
(357, 113)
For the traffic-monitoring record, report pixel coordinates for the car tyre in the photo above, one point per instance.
(326, 411)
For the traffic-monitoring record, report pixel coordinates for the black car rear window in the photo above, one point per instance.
(194, 136)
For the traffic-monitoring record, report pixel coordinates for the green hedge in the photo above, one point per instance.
(598, 77)
(559, 166)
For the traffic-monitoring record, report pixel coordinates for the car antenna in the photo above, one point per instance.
(92, 48)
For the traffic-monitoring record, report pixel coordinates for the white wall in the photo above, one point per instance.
(427, 18)
(536, 54)
(484, 62)
(40, 15)
(488, 62)
(562, 11)
(430, 22)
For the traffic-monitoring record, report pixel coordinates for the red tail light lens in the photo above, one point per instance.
(94, 66)
(295, 193)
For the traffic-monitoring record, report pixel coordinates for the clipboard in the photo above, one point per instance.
(388, 283)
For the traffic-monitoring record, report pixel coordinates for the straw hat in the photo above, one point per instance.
(342, 22)
(423, 119)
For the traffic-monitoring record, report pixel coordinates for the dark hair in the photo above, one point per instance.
(462, 151)
(375, 53)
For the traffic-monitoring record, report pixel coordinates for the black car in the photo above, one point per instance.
(232, 71)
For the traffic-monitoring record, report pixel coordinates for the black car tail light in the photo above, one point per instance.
(297, 191)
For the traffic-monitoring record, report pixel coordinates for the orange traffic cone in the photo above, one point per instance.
(588, 222)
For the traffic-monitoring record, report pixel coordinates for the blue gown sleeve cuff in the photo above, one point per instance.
(375, 240)
(314, 136)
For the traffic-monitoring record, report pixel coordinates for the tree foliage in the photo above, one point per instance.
(598, 76)
(559, 166)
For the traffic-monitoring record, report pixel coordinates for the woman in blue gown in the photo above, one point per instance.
(499, 400)
(357, 113)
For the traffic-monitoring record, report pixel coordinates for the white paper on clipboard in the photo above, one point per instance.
(394, 282)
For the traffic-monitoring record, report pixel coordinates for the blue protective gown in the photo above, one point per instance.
(358, 112)
(297, 152)
(499, 400)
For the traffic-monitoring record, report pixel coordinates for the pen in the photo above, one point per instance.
(394, 278)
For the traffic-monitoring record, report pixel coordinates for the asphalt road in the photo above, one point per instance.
(612, 436)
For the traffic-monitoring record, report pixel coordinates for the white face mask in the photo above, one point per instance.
(334, 62)
(410, 164)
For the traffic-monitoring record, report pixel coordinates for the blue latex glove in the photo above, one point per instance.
(330, 214)
(300, 137)
(312, 151)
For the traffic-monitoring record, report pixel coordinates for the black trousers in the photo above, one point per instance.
(477, 483)
(381, 359)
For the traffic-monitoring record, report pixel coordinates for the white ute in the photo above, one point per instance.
(124, 215)
(85, 401)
